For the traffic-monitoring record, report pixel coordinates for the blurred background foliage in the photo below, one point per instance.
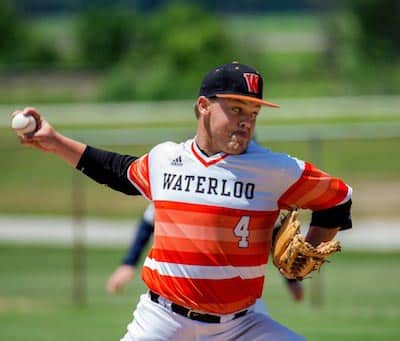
(333, 65)
(156, 50)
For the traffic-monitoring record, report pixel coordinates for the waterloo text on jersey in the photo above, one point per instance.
(208, 185)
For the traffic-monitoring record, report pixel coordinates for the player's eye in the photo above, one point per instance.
(254, 115)
(236, 110)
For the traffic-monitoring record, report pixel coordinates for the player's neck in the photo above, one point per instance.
(205, 147)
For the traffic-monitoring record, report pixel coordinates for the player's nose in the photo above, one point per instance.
(245, 122)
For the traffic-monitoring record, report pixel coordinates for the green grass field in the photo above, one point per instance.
(359, 298)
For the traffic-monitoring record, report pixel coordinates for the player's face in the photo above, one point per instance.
(232, 124)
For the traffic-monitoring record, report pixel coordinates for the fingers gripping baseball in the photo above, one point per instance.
(33, 131)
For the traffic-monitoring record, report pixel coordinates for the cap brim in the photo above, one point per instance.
(249, 99)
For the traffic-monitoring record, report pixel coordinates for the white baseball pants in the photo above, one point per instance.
(153, 321)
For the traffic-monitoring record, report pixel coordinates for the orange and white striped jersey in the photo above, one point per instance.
(214, 218)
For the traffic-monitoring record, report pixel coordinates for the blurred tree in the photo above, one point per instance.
(11, 31)
(19, 47)
(191, 37)
(106, 35)
(183, 42)
(379, 22)
(227, 6)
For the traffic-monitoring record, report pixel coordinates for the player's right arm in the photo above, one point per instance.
(47, 139)
(105, 167)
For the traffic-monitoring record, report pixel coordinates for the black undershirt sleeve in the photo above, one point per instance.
(333, 217)
(108, 168)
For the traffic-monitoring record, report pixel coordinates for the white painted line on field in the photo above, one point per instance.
(366, 234)
(63, 231)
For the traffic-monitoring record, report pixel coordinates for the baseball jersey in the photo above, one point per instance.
(214, 217)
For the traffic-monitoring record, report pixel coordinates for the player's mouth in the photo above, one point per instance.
(241, 134)
(238, 141)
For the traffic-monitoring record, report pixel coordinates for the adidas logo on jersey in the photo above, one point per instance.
(177, 161)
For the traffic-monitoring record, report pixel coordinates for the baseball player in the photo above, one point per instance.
(124, 272)
(216, 198)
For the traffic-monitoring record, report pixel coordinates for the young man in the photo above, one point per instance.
(216, 197)
(145, 229)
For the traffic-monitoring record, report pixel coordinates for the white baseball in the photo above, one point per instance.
(23, 124)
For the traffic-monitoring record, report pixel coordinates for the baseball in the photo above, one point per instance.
(23, 124)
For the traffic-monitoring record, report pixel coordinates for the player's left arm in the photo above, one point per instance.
(329, 199)
(317, 234)
(326, 223)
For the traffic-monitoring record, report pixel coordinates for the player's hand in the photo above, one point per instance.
(44, 138)
(122, 275)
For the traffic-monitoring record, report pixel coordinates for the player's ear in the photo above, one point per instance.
(203, 105)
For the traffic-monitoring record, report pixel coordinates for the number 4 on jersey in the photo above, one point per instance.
(242, 231)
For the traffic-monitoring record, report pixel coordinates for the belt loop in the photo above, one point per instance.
(188, 313)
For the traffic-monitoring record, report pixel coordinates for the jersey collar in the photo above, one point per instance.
(203, 158)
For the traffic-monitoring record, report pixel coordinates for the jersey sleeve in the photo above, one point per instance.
(138, 175)
(315, 190)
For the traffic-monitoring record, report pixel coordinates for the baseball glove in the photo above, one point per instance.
(295, 257)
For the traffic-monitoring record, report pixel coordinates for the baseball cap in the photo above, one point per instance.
(236, 81)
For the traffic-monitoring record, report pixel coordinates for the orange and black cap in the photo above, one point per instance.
(237, 81)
